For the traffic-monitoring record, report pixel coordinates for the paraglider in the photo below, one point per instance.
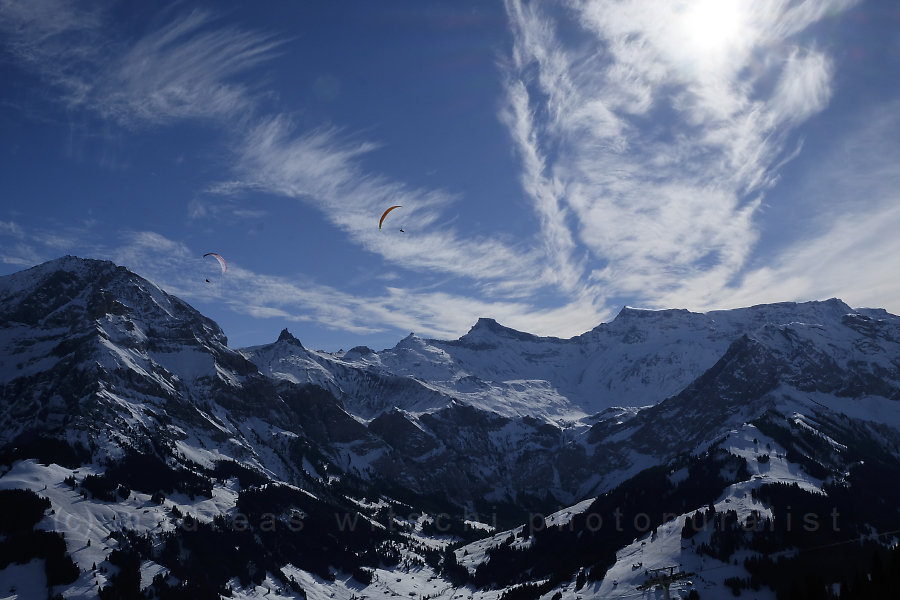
(386, 214)
(222, 264)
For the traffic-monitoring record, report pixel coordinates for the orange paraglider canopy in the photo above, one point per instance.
(380, 221)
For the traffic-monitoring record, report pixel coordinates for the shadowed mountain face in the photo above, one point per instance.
(571, 416)
(97, 352)
(639, 359)
(102, 370)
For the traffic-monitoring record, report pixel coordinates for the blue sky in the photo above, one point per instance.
(554, 160)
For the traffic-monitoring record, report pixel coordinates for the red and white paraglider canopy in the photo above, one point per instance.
(219, 258)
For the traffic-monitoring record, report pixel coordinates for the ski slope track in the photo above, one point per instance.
(746, 451)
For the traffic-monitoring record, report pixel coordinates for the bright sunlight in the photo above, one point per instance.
(711, 25)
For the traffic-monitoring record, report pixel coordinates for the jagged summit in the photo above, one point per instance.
(488, 331)
(811, 311)
(701, 407)
(488, 323)
(75, 270)
(628, 312)
(411, 341)
(96, 328)
(68, 289)
(287, 336)
(358, 351)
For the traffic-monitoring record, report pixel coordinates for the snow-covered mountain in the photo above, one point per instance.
(639, 359)
(149, 438)
(645, 386)
(93, 351)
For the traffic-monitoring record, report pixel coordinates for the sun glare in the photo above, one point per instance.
(712, 25)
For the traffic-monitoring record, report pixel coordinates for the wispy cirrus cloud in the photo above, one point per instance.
(321, 167)
(11, 228)
(184, 67)
(179, 270)
(26, 247)
(804, 87)
(40, 32)
(848, 247)
(649, 138)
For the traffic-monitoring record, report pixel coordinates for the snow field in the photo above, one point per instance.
(23, 582)
(88, 523)
(668, 549)
(749, 443)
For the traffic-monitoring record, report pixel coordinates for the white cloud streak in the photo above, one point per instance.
(184, 68)
(177, 269)
(645, 154)
(321, 168)
(855, 258)
(647, 147)
(850, 249)
(804, 87)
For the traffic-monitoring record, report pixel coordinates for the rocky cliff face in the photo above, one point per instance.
(96, 354)
(567, 417)
(95, 351)
(105, 376)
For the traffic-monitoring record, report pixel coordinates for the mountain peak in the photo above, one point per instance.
(357, 351)
(782, 313)
(487, 329)
(813, 311)
(78, 292)
(409, 341)
(632, 312)
(287, 336)
(74, 267)
(489, 324)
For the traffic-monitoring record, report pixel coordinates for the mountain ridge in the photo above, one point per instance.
(153, 414)
(618, 380)
(564, 374)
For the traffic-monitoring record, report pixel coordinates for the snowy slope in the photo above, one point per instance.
(639, 359)
(666, 546)
(92, 354)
